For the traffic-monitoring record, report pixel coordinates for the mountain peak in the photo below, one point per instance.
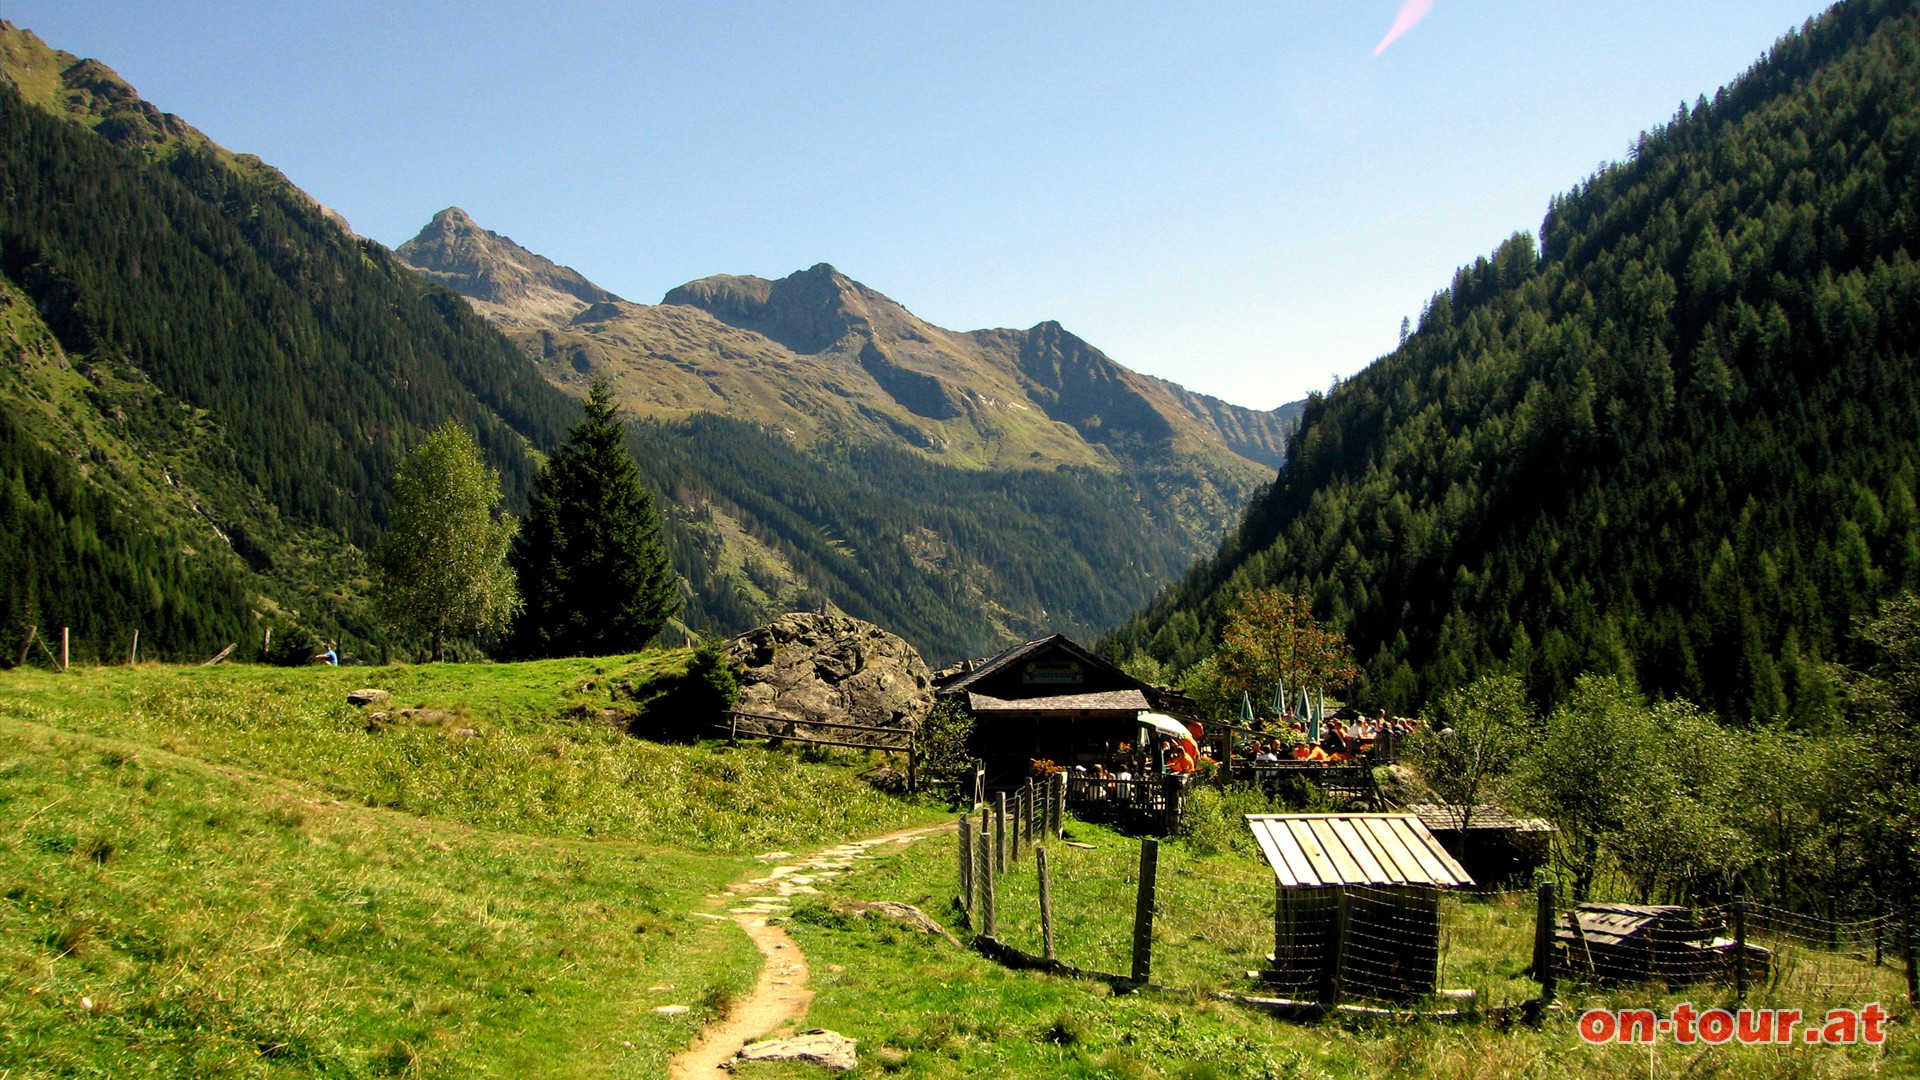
(452, 218)
(808, 311)
(496, 274)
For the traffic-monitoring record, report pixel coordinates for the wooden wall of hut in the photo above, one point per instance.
(1385, 945)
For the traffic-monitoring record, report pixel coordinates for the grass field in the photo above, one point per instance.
(223, 872)
(231, 872)
(926, 1009)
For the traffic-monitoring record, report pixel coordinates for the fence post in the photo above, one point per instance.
(133, 651)
(1740, 949)
(966, 863)
(1060, 808)
(1033, 801)
(1046, 904)
(27, 645)
(1342, 937)
(979, 783)
(913, 763)
(1543, 944)
(987, 925)
(1906, 950)
(63, 648)
(1016, 808)
(999, 832)
(1143, 912)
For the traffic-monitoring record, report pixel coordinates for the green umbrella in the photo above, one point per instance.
(1279, 703)
(1246, 707)
(1307, 717)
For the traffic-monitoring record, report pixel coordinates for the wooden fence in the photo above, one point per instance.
(738, 724)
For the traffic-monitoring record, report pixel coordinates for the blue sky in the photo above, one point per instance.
(1242, 198)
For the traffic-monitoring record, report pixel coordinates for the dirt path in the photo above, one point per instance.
(782, 993)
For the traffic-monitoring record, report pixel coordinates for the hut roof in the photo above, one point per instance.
(1055, 643)
(1612, 924)
(1318, 850)
(1108, 701)
(1436, 816)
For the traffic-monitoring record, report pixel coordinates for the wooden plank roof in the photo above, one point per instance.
(1485, 816)
(1613, 924)
(1117, 701)
(1320, 850)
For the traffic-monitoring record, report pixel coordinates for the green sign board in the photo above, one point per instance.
(1052, 673)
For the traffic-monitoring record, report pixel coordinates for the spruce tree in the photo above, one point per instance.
(593, 569)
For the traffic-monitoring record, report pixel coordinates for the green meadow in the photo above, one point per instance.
(230, 871)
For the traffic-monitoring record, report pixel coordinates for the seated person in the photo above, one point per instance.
(1334, 740)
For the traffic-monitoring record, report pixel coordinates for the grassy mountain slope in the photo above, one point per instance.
(1680, 443)
(249, 373)
(821, 446)
(824, 357)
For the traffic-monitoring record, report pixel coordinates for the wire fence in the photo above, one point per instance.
(1221, 925)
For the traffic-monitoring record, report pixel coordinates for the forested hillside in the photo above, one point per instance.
(959, 562)
(1678, 441)
(206, 375)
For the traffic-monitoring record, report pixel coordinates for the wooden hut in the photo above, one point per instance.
(1356, 904)
(1052, 700)
(1637, 943)
(1495, 847)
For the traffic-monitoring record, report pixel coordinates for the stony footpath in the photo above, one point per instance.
(759, 905)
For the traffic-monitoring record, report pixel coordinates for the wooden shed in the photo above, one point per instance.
(1495, 847)
(1636, 943)
(1356, 904)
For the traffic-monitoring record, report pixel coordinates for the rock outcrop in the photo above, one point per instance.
(812, 668)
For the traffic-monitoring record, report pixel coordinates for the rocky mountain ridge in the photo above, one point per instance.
(819, 355)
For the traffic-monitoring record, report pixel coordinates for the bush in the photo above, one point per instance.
(946, 758)
(292, 646)
(686, 707)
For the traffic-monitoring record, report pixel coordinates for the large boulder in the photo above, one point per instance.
(813, 668)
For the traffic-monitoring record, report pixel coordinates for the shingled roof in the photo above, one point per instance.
(1106, 701)
(1485, 816)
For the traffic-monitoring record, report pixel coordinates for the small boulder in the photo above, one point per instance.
(819, 1046)
(363, 698)
(887, 781)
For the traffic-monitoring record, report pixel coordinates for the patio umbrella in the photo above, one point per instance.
(1246, 708)
(1306, 714)
(1279, 703)
(1173, 729)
